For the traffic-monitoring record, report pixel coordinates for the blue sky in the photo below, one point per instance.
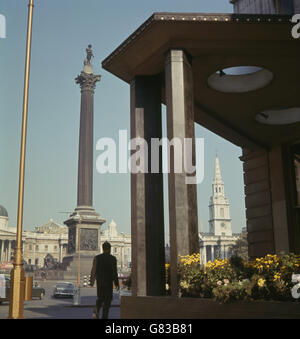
(61, 32)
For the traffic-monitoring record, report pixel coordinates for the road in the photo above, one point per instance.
(62, 308)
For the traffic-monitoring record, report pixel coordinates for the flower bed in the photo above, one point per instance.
(227, 280)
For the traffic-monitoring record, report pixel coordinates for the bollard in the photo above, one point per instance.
(28, 288)
(76, 297)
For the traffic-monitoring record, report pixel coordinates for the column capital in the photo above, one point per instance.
(87, 81)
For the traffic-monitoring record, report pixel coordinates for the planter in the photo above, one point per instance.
(196, 308)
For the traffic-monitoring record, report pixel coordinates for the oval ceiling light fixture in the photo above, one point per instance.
(240, 79)
(279, 116)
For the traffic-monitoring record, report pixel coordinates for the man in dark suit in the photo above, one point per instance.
(104, 270)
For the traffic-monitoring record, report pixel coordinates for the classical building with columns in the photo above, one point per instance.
(218, 241)
(120, 245)
(50, 238)
(7, 237)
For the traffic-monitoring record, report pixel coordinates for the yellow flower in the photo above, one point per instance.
(184, 284)
(277, 276)
(261, 282)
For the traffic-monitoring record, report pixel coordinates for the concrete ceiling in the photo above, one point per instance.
(214, 42)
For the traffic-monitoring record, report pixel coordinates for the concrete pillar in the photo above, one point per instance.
(180, 124)
(258, 201)
(212, 252)
(147, 216)
(279, 202)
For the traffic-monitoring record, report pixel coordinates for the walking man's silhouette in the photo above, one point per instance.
(104, 270)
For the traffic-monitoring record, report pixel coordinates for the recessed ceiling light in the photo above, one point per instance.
(240, 79)
(279, 116)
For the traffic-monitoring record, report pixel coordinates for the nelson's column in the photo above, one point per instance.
(84, 223)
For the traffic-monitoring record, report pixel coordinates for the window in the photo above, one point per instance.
(37, 247)
(222, 213)
(30, 247)
(55, 248)
(46, 247)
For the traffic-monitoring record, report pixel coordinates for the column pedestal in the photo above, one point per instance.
(84, 240)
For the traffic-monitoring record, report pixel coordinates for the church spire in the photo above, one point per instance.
(219, 222)
(218, 177)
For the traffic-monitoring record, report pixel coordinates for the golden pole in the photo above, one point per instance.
(78, 268)
(17, 286)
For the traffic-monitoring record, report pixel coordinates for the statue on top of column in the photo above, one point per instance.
(89, 55)
(88, 68)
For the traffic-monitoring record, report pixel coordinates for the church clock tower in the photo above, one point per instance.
(219, 208)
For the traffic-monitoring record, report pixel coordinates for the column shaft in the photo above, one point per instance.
(1, 251)
(147, 216)
(86, 140)
(9, 250)
(180, 124)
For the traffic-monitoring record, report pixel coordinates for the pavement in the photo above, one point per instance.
(63, 308)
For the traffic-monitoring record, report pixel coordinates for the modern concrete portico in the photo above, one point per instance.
(177, 53)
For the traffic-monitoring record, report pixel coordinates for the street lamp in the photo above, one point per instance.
(17, 286)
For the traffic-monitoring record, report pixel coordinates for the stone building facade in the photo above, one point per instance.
(120, 246)
(50, 238)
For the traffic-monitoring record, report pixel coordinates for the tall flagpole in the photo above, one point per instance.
(17, 286)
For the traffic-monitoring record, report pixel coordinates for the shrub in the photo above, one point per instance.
(267, 278)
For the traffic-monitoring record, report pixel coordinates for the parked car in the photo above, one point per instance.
(64, 289)
(37, 291)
